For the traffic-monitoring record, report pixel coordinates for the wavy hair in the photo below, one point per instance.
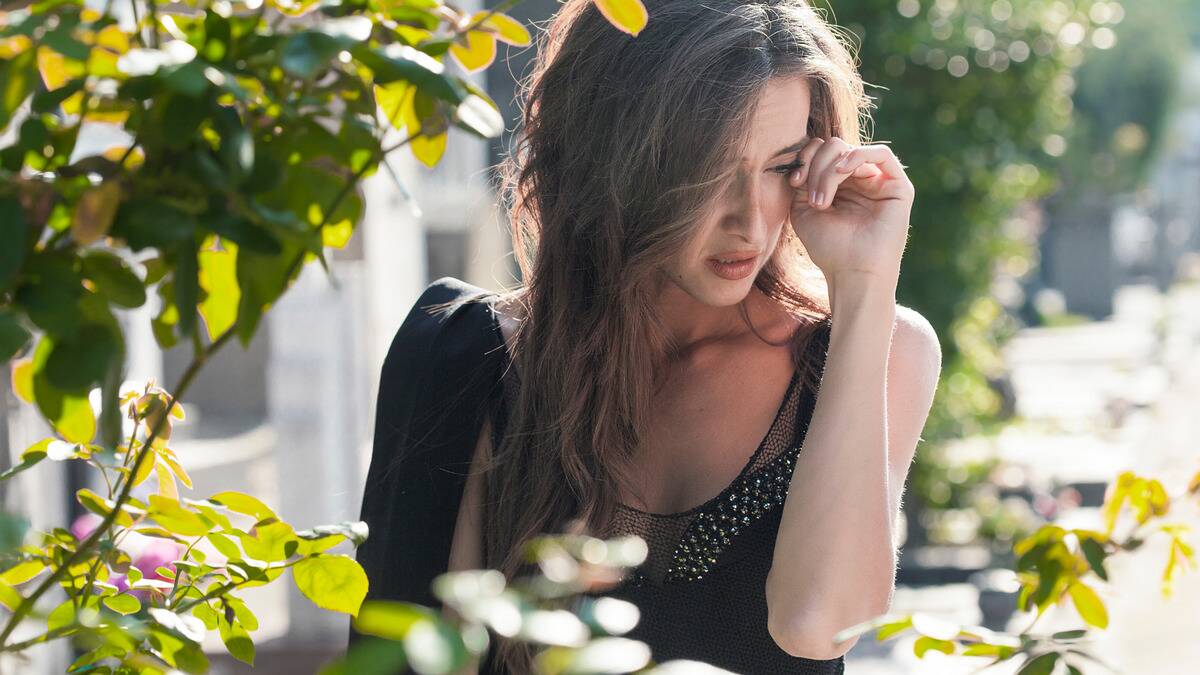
(623, 143)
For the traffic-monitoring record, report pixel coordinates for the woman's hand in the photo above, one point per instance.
(851, 209)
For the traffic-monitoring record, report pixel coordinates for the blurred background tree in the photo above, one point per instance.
(991, 101)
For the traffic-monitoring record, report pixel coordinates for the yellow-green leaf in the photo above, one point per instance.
(269, 542)
(171, 515)
(888, 630)
(243, 503)
(9, 597)
(429, 150)
(507, 28)
(101, 506)
(93, 216)
(176, 468)
(218, 277)
(22, 379)
(628, 16)
(925, 643)
(1089, 605)
(337, 235)
(145, 468)
(477, 53)
(333, 582)
(166, 482)
(122, 604)
(22, 572)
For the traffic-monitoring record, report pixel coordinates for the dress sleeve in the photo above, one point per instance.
(437, 379)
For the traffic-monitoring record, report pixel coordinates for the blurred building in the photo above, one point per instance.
(1090, 248)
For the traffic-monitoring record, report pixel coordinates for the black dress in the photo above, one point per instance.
(701, 589)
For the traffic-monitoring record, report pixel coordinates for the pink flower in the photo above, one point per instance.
(84, 525)
(157, 553)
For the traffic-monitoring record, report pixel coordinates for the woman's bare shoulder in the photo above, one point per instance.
(511, 312)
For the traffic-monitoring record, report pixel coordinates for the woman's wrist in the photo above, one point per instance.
(856, 292)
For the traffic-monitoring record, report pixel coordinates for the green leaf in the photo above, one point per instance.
(13, 336)
(124, 603)
(18, 78)
(49, 292)
(432, 645)
(1040, 665)
(13, 233)
(32, 455)
(262, 280)
(237, 641)
(390, 619)
(628, 16)
(1089, 605)
(71, 415)
(306, 53)
(242, 612)
(333, 582)
(401, 62)
(1094, 552)
(151, 222)
(187, 285)
(114, 279)
(81, 361)
(369, 657)
(63, 615)
(244, 233)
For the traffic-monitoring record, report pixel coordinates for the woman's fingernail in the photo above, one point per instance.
(812, 196)
(820, 197)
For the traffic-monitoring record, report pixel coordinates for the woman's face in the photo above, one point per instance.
(746, 220)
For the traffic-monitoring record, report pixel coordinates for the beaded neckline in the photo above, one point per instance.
(758, 451)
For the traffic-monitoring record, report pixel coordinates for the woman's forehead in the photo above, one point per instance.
(779, 125)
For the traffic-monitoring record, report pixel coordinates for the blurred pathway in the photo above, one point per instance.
(1147, 634)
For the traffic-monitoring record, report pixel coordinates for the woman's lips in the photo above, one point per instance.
(733, 270)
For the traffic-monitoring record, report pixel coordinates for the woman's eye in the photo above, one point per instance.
(787, 168)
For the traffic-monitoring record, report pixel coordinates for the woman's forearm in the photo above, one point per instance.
(834, 559)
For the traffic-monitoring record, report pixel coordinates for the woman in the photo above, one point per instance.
(705, 240)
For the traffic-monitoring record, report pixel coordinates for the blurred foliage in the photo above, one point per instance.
(1058, 567)
(556, 610)
(979, 98)
(1122, 97)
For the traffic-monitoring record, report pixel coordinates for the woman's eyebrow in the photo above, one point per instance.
(792, 148)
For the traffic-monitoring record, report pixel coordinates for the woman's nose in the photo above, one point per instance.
(745, 206)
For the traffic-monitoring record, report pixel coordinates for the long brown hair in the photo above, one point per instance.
(623, 142)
